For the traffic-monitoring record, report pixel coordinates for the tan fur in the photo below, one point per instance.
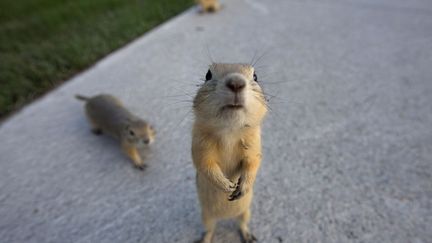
(209, 5)
(107, 114)
(226, 146)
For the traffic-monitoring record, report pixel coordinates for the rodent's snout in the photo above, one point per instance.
(144, 142)
(235, 83)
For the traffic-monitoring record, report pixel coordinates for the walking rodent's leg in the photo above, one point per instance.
(132, 152)
(95, 128)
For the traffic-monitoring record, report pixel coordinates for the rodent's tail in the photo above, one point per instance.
(81, 97)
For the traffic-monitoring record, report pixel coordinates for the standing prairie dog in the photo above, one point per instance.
(107, 114)
(209, 6)
(226, 144)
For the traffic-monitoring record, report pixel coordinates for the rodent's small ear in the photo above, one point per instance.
(208, 75)
(153, 130)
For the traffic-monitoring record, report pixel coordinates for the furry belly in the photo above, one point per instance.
(214, 202)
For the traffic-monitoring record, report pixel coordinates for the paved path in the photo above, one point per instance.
(347, 146)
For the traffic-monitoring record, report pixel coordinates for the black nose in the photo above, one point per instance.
(146, 141)
(236, 84)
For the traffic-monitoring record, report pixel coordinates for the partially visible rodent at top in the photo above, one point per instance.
(226, 144)
(107, 114)
(209, 6)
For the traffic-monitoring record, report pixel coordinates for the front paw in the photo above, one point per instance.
(230, 186)
(140, 166)
(239, 191)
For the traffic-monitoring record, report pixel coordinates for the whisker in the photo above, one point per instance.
(271, 110)
(277, 82)
(174, 96)
(270, 97)
(183, 101)
(183, 91)
(259, 58)
(209, 54)
(261, 100)
(184, 117)
(185, 80)
(253, 58)
(204, 98)
(261, 67)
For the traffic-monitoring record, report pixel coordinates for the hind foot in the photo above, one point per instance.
(205, 238)
(248, 237)
(97, 131)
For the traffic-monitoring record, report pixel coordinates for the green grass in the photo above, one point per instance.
(44, 42)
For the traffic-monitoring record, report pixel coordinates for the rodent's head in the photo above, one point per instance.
(139, 132)
(230, 97)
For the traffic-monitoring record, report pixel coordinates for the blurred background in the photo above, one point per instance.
(45, 42)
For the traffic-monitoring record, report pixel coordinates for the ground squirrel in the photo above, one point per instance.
(208, 6)
(226, 144)
(107, 114)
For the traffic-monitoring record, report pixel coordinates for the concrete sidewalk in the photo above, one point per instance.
(347, 145)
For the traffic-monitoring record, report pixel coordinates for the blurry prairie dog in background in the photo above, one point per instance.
(107, 114)
(208, 6)
(226, 144)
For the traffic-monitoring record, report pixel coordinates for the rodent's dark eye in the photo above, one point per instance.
(255, 77)
(208, 75)
(131, 133)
